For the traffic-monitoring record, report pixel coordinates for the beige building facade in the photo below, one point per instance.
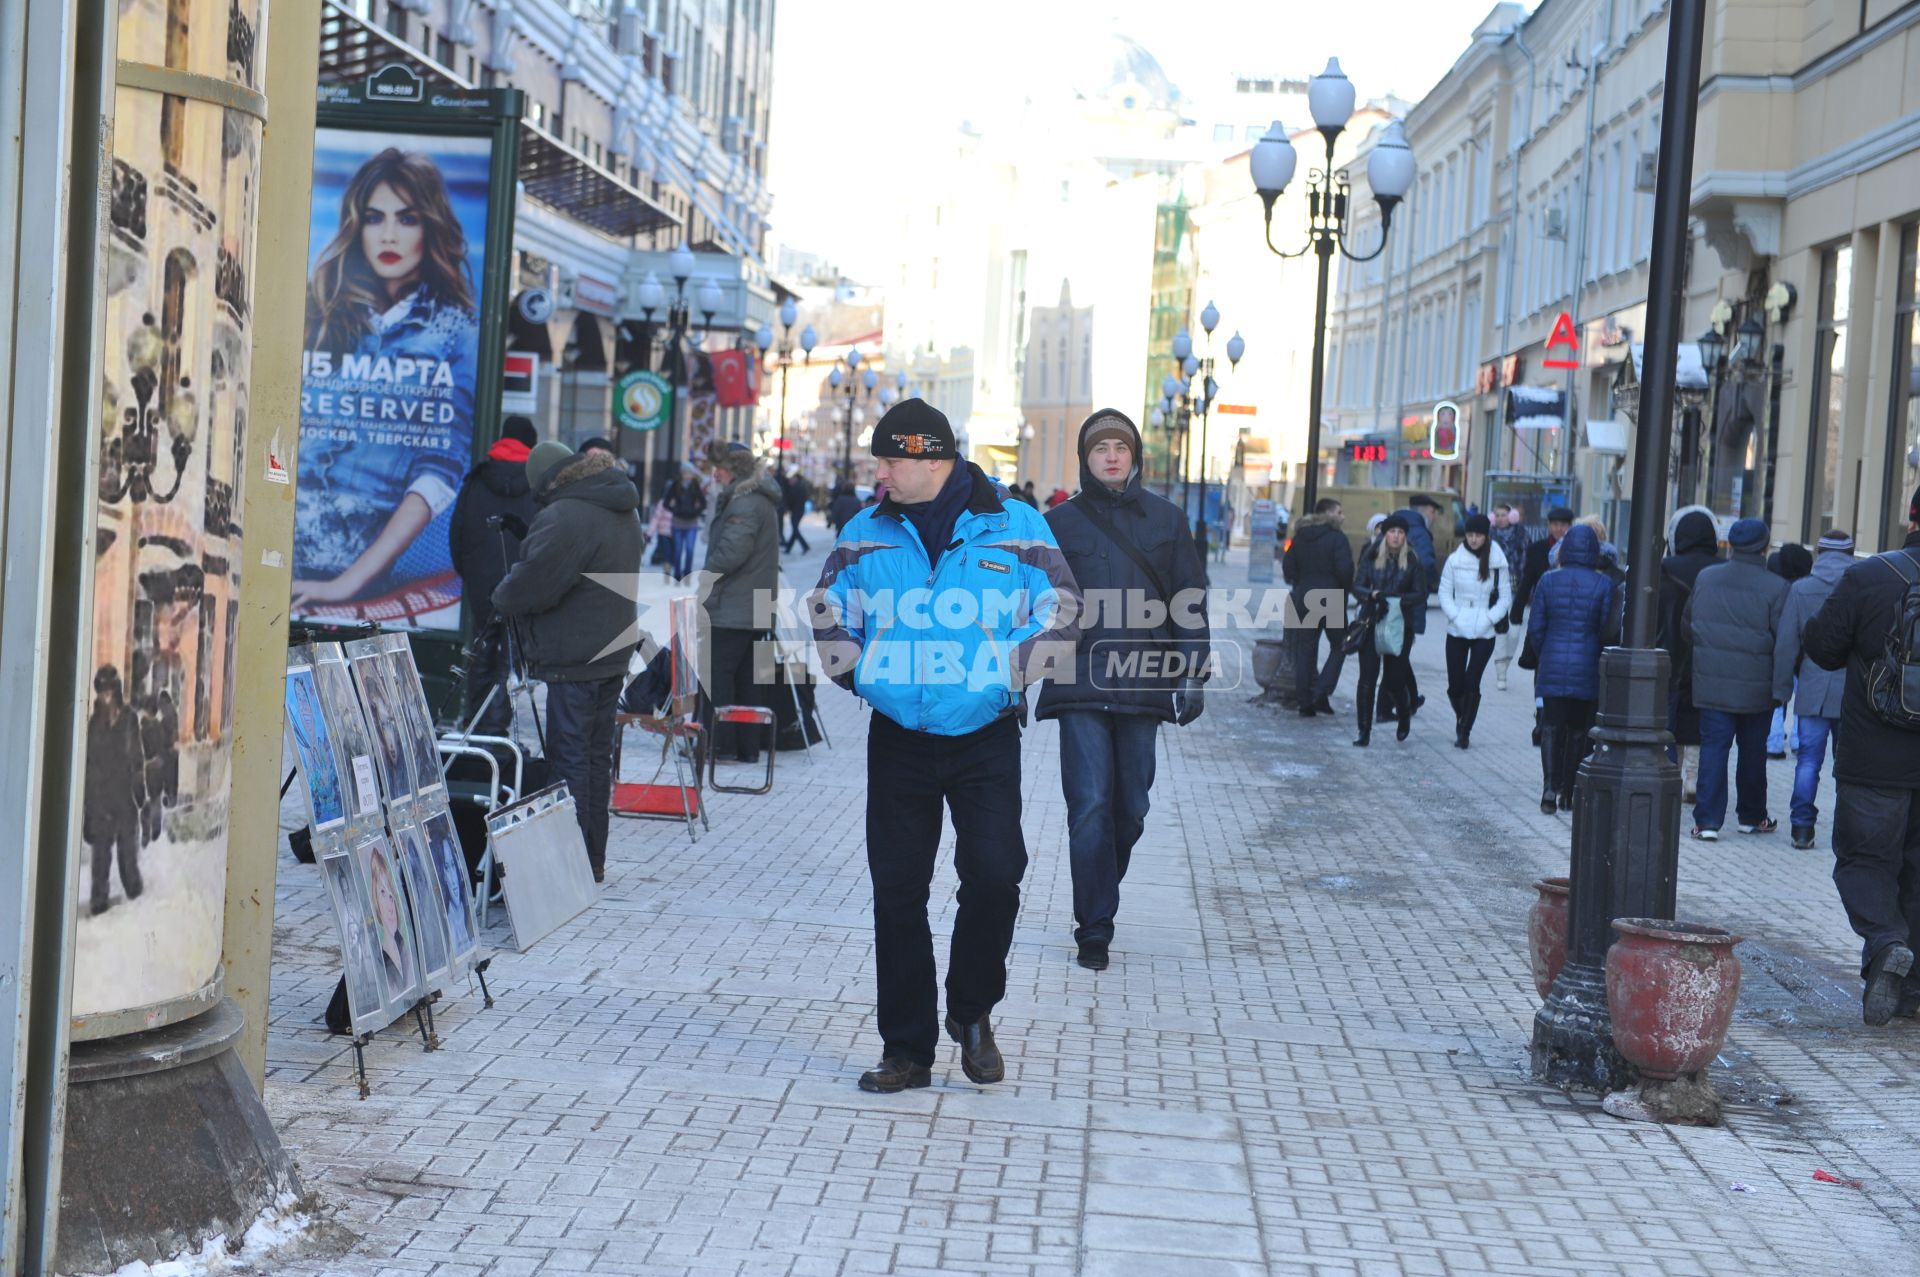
(1533, 213)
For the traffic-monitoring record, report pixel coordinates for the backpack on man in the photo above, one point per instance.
(1893, 677)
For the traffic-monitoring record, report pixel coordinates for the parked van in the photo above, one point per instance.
(1361, 504)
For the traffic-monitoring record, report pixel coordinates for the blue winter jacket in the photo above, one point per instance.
(1573, 610)
(947, 649)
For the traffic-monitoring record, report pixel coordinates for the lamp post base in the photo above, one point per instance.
(1626, 853)
(167, 1145)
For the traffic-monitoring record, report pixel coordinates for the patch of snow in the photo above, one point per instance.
(279, 1226)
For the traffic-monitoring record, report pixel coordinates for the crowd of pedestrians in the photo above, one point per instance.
(1791, 650)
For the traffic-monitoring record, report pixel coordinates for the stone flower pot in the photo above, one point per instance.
(1671, 989)
(1270, 665)
(1547, 932)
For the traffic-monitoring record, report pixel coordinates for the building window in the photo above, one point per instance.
(1223, 132)
(397, 21)
(1829, 389)
(1903, 425)
(443, 51)
(1255, 132)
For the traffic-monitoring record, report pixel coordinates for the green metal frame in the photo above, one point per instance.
(494, 113)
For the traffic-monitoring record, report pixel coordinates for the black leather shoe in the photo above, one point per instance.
(1549, 802)
(1093, 955)
(896, 1073)
(599, 873)
(979, 1055)
(1566, 801)
(1909, 1008)
(1803, 837)
(1324, 706)
(1885, 975)
(1308, 711)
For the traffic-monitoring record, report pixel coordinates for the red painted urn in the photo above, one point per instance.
(1547, 932)
(1671, 990)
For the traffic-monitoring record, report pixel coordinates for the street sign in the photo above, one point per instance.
(1264, 525)
(1563, 338)
(520, 382)
(642, 400)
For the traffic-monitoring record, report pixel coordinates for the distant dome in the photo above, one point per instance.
(1118, 69)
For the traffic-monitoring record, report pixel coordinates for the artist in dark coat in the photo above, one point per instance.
(483, 550)
(577, 632)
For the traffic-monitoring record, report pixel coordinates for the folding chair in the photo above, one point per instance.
(744, 717)
(680, 735)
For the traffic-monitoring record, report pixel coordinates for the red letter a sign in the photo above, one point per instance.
(1564, 340)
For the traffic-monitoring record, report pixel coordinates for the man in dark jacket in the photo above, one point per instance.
(1876, 772)
(1816, 694)
(578, 632)
(1732, 621)
(737, 591)
(1696, 547)
(1131, 554)
(1419, 512)
(116, 784)
(845, 504)
(793, 497)
(1559, 519)
(490, 516)
(1318, 561)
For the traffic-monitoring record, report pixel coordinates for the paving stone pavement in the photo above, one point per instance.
(1309, 1055)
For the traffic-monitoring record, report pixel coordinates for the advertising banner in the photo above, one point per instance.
(390, 372)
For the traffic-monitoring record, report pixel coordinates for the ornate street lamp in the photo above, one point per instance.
(859, 385)
(789, 316)
(131, 455)
(1192, 366)
(1390, 170)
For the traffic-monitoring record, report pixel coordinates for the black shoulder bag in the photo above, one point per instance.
(1126, 547)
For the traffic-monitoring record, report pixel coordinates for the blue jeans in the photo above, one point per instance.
(1783, 733)
(1719, 732)
(1106, 773)
(684, 540)
(1811, 754)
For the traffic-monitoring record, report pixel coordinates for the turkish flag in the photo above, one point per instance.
(736, 379)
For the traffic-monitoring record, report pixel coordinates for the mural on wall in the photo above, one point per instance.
(167, 547)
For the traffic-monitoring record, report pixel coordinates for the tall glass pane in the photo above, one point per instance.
(1903, 426)
(1830, 389)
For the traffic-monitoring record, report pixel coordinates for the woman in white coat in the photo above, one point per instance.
(1476, 589)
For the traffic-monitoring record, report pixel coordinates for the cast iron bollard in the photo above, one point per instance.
(1626, 854)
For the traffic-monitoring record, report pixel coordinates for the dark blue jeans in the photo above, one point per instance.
(580, 751)
(684, 540)
(1811, 754)
(910, 777)
(1876, 865)
(1106, 773)
(1720, 731)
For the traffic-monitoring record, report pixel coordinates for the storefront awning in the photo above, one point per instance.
(351, 49)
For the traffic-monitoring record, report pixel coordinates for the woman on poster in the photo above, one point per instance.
(392, 334)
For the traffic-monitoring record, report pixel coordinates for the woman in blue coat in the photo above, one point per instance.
(1573, 611)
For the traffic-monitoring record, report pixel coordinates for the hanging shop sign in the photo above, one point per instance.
(642, 400)
(1443, 437)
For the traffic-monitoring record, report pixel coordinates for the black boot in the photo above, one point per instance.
(1549, 799)
(1467, 711)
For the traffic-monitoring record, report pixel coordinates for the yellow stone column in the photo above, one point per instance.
(286, 177)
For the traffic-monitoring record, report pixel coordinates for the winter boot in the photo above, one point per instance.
(1468, 710)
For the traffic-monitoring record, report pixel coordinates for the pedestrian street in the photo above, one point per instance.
(1308, 1056)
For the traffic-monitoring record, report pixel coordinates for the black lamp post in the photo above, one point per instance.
(860, 385)
(652, 297)
(1626, 807)
(789, 315)
(1201, 366)
(1390, 169)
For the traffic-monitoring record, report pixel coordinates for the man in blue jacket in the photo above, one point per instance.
(1142, 661)
(937, 607)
